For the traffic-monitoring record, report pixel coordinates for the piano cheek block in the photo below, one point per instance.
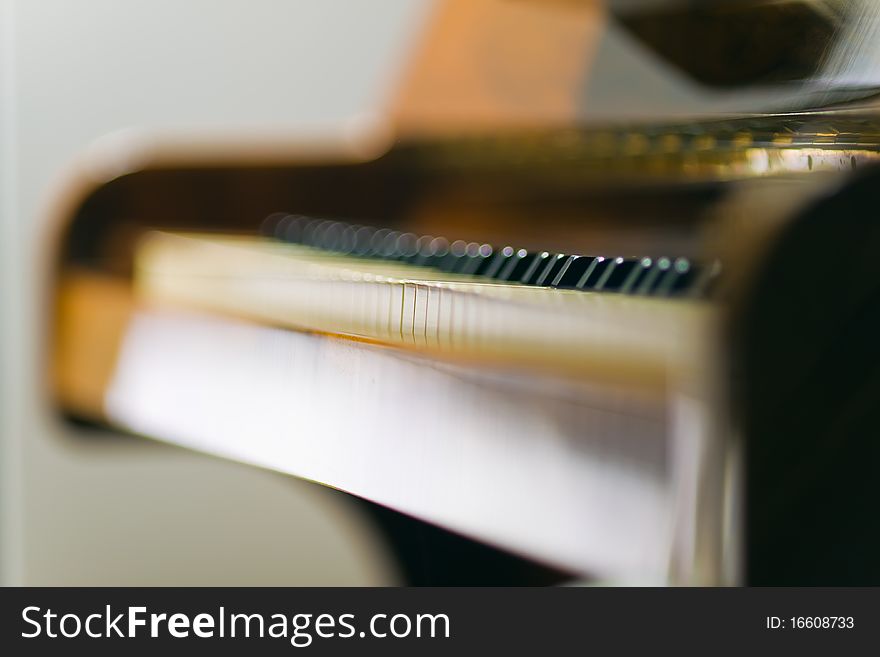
(806, 367)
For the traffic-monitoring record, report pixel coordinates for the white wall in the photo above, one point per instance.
(129, 511)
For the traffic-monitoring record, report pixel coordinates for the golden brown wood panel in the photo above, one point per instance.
(500, 63)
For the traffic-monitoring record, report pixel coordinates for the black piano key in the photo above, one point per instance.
(475, 255)
(497, 262)
(616, 274)
(440, 257)
(485, 257)
(677, 279)
(407, 247)
(685, 281)
(453, 257)
(572, 271)
(649, 282)
(377, 242)
(463, 253)
(330, 236)
(535, 268)
(273, 225)
(311, 232)
(515, 266)
(314, 233)
(664, 285)
(363, 239)
(388, 250)
(636, 276)
(348, 239)
(554, 264)
(423, 245)
(522, 267)
(291, 230)
(437, 252)
(598, 281)
(593, 273)
(560, 275)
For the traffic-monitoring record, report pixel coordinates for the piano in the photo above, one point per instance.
(630, 341)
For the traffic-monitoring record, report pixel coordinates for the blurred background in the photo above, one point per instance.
(137, 512)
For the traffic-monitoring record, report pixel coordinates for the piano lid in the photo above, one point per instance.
(490, 64)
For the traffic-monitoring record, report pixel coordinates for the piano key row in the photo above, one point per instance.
(664, 276)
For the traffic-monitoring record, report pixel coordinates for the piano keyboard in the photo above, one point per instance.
(662, 277)
(621, 318)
